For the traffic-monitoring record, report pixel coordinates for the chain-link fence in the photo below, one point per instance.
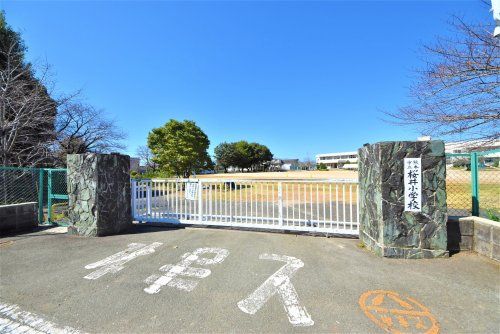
(18, 185)
(488, 184)
(45, 186)
(458, 184)
(57, 195)
(473, 184)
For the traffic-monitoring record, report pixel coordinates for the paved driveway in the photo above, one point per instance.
(210, 280)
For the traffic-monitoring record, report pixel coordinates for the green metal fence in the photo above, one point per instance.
(46, 186)
(473, 184)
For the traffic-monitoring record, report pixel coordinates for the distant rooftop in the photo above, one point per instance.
(337, 153)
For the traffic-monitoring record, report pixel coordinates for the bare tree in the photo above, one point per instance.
(307, 163)
(35, 129)
(27, 111)
(458, 91)
(146, 156)
(81, 128)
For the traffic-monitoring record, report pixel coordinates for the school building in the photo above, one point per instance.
(344, 160)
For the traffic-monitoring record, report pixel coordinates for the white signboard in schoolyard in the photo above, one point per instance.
(413, 184)
(191, 190)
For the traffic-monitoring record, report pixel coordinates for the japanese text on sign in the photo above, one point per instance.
(413, 184)
(191, 190)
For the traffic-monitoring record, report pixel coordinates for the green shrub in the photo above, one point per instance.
(59, 211)
(156, 174)
(321, 166)
(462, 163)
(492, 216)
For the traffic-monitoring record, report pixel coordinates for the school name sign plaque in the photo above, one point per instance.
(413, 184)
(398, 182)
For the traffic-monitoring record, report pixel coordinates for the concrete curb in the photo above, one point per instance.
(476, 234)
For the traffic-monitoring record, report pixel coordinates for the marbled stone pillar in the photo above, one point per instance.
(386, 228)
(99, 194)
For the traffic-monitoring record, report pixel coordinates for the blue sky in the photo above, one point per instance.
(300, 77)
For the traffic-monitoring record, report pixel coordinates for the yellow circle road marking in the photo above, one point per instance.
(397, 314)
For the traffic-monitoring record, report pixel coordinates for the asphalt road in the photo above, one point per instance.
(332, 291)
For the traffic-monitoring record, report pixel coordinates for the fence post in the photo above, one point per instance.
(40, 195)
(280, 203)
(200, 201)
(475, 183)
(148, 197)
(133, 196)
(49, 195)
(357, 206)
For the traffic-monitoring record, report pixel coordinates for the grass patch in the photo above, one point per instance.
(459, 196)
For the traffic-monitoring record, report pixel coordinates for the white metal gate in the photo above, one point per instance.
(307, 205)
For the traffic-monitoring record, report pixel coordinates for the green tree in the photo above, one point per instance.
(180, 148)
(244, 155)
(225, 155)
(260, 155)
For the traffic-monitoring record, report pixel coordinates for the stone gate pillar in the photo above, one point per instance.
(99, 194)
(403, 201)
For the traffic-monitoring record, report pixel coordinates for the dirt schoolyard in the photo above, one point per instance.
(293, 175)
(458, 184)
